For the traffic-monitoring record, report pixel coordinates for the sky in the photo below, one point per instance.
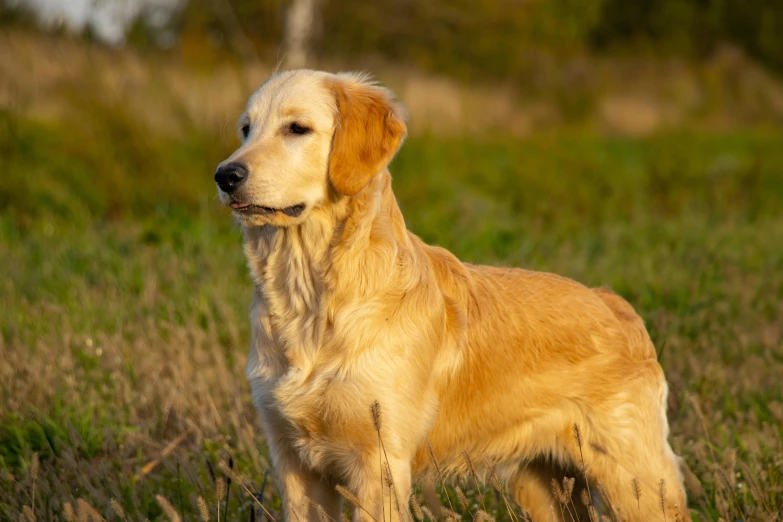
(109, 18)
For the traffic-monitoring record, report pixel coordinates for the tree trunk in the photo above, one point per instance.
(298, 27)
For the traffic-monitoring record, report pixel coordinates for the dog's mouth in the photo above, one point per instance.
(247, 208)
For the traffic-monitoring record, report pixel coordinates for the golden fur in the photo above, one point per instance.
(351, 308)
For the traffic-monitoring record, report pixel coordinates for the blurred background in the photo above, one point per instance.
(632, 144)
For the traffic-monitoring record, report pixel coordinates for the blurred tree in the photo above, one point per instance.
(154, 28)
(757, 26)
(299, 22)
(13, 14)
(692, 27)
(495, 38)
(249, 29)
(461, 37)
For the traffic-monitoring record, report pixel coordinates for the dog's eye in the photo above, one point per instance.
(245, 130)
(296, 128)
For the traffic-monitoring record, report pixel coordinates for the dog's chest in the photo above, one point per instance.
(326, 413)
(300, 361)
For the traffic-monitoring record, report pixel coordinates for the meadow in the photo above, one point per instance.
(124, 298)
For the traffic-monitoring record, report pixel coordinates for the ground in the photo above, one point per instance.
(123, 309)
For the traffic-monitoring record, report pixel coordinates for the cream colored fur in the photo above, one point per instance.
(351, 308)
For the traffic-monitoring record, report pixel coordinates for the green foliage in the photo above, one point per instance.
(125, 170)
(124, 327)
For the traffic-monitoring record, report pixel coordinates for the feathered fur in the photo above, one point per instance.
(352, 308)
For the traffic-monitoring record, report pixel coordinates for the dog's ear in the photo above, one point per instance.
(368, 132)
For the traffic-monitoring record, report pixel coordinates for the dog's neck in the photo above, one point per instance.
(301, 271)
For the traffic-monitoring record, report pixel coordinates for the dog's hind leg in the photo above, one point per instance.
(622, 448)
(539, 489)
(641, 484)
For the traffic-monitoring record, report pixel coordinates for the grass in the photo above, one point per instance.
(123, 310)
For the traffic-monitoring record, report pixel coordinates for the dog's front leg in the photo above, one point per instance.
(303, 489)
(382, 487)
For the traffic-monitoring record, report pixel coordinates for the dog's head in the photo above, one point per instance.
(308, 137)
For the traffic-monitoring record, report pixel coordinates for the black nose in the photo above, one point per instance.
(230, 176)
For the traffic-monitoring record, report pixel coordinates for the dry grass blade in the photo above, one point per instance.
(558, 492)
(246, 490)
(149, 466)
(472, 469)
(584, 497)
(462, 498)
(450, 515)
(350, 497)
(416, 508)
(389, 479)
(440, 475)
(580, 443)
(375, 411)
(220, 492)
(560, 496)
(387, 476)
(86, 513)
(167, 508)
(34, 463)
(578, 435)
(637, 493)
(230, 472)
(68, 512)
(203, 509)
(323, 516)
(694, 402)
(662, 495)
(568, 486)
(347, 495)
(483, 516)
(493, 479)
(605, 499)
(117, 508)
(220, 488)
(28, 514)
(703, 423)
(757, 493)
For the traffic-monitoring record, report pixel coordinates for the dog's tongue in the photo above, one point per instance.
(240, 205)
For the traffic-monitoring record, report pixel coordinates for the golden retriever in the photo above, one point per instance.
(351, 308)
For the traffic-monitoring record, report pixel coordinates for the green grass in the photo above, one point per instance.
(123, 310)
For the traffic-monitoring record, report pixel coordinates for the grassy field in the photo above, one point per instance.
(123, 310)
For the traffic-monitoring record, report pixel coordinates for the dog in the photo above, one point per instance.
(376, 358)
